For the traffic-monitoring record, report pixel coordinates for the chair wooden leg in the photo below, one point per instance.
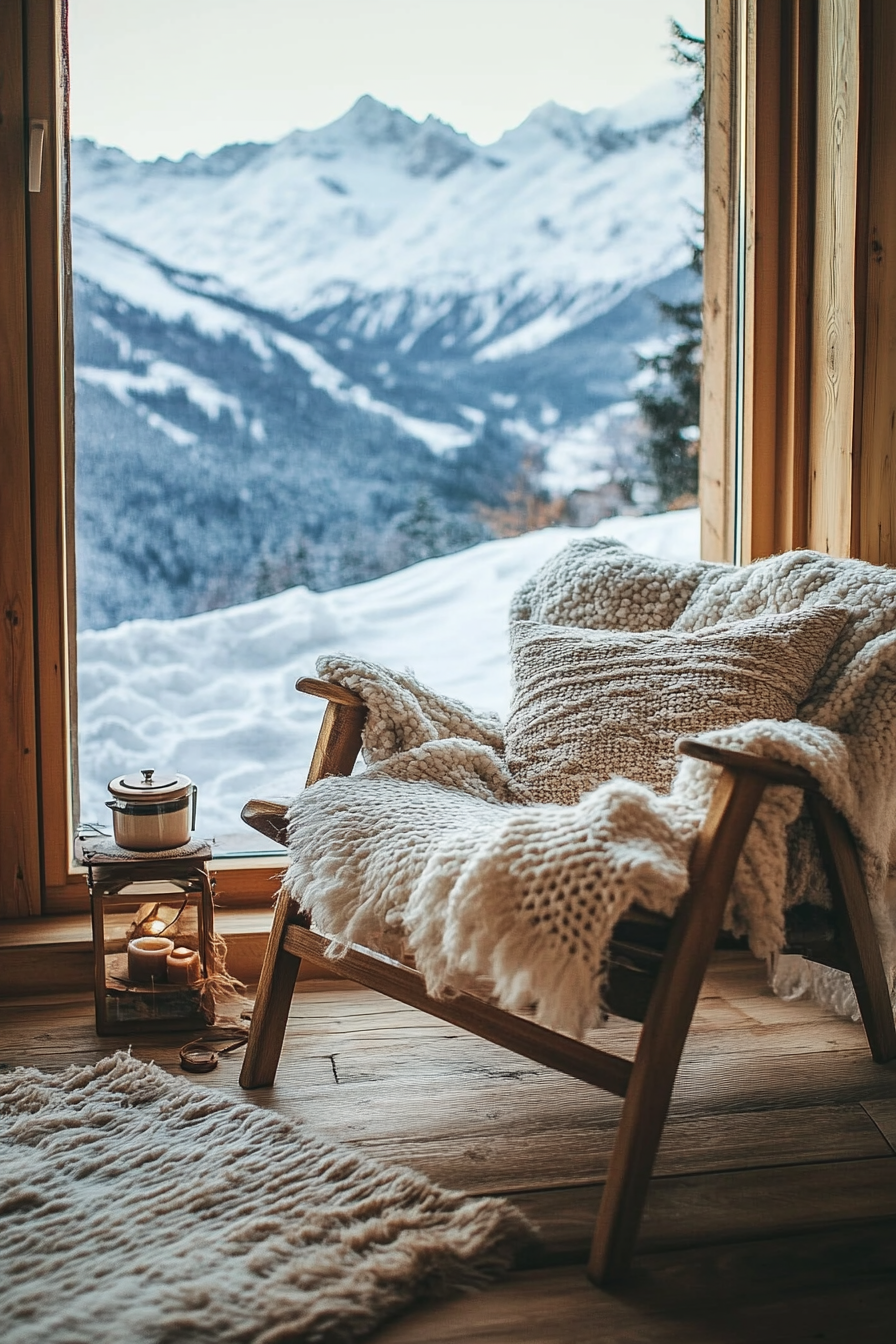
(272, 1002)
(855, 926)
(668, 1021)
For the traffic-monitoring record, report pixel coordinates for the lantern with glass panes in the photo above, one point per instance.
(153, 938)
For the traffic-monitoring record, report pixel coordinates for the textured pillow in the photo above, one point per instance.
(590, 704)
(599, 584)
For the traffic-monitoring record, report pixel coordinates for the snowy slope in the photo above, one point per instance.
(142, 281)
(213, 695)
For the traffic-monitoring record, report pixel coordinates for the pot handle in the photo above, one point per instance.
(116, 805)
(193, 822)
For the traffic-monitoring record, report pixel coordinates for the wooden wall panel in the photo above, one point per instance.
(19, 842)
(760, 315)
(811, 462)
(718, 399)
(874, 513)
(833, 289)
(781, 115)
(796, 195)
(43, 97)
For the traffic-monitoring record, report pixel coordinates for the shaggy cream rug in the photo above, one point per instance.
(142, 1208)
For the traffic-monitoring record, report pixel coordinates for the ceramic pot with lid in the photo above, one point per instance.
(152, 813)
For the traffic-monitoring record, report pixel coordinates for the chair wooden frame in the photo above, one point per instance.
(655, 973)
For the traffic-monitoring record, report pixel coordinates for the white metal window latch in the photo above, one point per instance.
(36, 154)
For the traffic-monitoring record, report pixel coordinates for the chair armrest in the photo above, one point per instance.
(776, 772)
(329, 690)
(339, 739)
(267, 816)
(335, 753)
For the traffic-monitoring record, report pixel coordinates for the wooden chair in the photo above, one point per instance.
(656, 965)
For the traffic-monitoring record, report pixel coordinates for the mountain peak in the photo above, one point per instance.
(371, 122)
(550, 121)
(602, 130)
(428, 148)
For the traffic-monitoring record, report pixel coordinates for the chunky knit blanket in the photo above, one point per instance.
(426, 851)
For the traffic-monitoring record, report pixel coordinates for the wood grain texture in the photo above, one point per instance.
(53, 485)
(718, 409)
(484, 1158)
(329, 690)
(780, 178)
(857, 932)
(239, 883)
(833, 291)
(668, 1021)
(677, 973)
(268, 817)
(875, 422)
(883, 1113)
(759, 345)
(55, 954)
(778, 772)
(768, 1218)
(731, 1206)
(19, 838)
(763, 149)
(519, 1034)
(272, 1002)
(796, 214)
(338, 742)
(417, 1090)
(834, 1286)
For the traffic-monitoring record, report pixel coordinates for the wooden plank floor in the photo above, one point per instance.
(772, 1215)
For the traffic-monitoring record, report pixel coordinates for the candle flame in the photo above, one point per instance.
(155, 926)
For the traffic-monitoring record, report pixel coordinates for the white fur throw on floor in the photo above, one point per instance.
(142, 1209)
(428, 850)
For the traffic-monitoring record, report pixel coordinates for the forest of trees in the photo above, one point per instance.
(670, 403)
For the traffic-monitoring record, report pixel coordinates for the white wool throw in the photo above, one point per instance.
(428, 850)
(136, 1208)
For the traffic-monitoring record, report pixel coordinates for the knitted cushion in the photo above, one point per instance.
(590, 704)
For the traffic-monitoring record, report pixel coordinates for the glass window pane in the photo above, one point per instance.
(378, 304)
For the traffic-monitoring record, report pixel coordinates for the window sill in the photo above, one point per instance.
(53, 954)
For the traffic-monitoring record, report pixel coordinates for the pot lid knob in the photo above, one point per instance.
(144, 782)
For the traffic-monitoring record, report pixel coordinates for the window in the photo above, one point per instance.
(390, 313)
(796, 445)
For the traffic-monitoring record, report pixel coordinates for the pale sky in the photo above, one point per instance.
(169, 76)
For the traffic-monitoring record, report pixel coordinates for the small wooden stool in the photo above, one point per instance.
(186, 916)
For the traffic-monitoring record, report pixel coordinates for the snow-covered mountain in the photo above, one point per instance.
(318, 360)
(408, 229)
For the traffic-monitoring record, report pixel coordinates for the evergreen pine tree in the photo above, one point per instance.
(670, 405)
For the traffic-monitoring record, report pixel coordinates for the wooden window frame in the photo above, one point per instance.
(799, 382)
(798, 416)
(19, 845)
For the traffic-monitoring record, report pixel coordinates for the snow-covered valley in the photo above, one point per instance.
(213, 695)
(318, 361)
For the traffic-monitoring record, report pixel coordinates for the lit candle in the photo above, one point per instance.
(184, 966)
(148, 959)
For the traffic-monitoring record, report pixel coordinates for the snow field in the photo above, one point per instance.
(214, 695)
